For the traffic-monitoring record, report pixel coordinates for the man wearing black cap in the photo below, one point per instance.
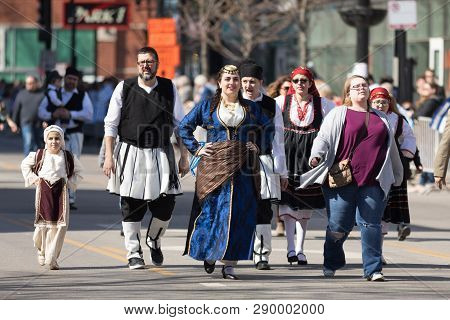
(272, 162)
(76, 109)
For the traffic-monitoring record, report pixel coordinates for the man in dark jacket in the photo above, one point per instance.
(25, 114)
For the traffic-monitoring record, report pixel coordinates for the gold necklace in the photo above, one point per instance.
(230, 106)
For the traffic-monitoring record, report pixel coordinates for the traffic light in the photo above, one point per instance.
(45, 22)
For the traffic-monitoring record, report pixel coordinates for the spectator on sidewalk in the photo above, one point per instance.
(25, 114)
(442, 156)
(76, 110)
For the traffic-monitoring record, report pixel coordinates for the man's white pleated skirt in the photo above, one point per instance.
(141, 173)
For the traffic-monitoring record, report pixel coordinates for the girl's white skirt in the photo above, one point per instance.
(142, 173)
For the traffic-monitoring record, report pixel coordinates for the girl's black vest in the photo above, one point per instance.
(146, 119)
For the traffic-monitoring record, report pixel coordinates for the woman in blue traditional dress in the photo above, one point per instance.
(223, 217)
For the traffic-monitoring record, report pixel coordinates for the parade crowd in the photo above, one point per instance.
(287, 151)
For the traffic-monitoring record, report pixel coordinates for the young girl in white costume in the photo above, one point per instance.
(52, 170)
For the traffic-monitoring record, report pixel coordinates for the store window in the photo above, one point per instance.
(22, 51)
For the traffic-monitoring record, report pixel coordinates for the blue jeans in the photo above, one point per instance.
(426, 177)
(345, 205)
(30, 136)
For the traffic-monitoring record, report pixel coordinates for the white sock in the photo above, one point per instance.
(289, 226)
(301, 233)
(229, 266)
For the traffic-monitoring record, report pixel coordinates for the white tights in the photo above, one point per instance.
(291, 225)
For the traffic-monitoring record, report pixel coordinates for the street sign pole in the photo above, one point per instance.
(402, 16)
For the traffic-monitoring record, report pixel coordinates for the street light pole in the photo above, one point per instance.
(73, 60)
(400, 54)
(362, 17)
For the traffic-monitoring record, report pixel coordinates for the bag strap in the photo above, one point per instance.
(366, 123)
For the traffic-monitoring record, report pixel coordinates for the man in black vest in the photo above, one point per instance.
(272, 163)
(144, 112)
(75, 110)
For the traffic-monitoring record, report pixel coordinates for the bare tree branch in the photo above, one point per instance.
(234, 27)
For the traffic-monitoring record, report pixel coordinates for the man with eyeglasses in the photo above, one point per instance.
(76, 109)
(144, 112)
(272, 162)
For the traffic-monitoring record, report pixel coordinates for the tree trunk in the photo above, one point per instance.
(302, 34)
(204, 67)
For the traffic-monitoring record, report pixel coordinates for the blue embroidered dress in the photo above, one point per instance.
(223, 226)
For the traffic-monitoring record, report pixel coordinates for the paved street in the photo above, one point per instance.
(93, 264)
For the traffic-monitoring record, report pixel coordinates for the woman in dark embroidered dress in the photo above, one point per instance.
(223, 216)
(303, 110)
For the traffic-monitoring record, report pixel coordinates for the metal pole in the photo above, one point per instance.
(400, 53)
(362, 35)
(362, 44)
(160, 8)
(72, 36)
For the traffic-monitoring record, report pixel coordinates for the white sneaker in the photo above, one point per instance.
(41, 259)
(136, 263)
(377, 276)
(53, 266)
(328, 273)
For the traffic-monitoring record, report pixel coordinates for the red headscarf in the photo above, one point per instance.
(307, 73)
(379, 92)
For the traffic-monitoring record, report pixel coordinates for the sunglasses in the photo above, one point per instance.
(302, 81)
(285, 88)
(381, 101)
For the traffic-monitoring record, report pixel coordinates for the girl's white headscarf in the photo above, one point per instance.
(54, 128)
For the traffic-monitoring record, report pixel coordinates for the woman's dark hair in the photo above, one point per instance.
(215, 100)
(273, 89)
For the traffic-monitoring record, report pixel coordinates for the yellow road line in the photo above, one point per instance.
(91, 248)
(115, 250)
(105, 251)
(418, 250)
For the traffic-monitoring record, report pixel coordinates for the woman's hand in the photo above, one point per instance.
(419, 168)
(440, 182)
(284, 183)
(252, 147)
(183, 166)
(206, 150)
(314, 162)
(407, 154)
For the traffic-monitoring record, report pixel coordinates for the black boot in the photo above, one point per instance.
(157, 256)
